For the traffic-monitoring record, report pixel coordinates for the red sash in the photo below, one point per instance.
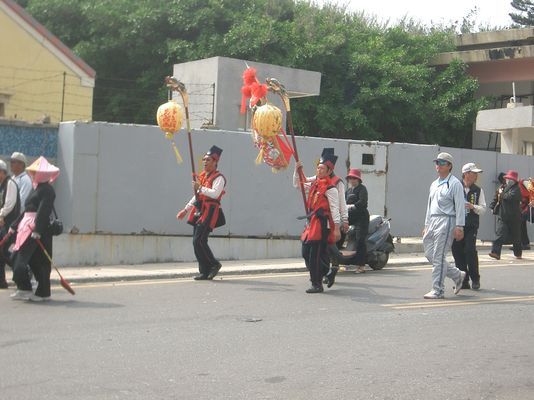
(320, 222)
(209, 207)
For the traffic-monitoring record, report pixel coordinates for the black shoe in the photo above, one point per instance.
(476, 285)
(3, 285)
(315, 289)
(465, 285)
(214, 271)
(201, 277)
(331, 277)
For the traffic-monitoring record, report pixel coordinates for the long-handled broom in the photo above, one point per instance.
(63, 281)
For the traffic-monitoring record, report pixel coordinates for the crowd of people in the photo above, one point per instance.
(453, 217)
(26, 206)
(452, 220)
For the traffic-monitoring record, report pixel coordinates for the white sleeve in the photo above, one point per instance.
(343, 210)
(11, 199)
(190, 203)
(480, 208)
(296, 180)
(333, 201)
(215, 191)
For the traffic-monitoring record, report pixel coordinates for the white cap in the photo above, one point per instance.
(445, 157)
(3, 165)
(18, 157)
(470, 167)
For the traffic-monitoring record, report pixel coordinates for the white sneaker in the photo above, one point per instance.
(38, 299)
(459, 282)
(21, 295)
(433, 295)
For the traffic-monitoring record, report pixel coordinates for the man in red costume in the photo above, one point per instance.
(206, 213)
(322, 227)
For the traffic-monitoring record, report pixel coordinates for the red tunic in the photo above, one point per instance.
(209, 208)
(319, 208)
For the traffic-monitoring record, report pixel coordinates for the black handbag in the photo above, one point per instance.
(221, 220)
(56, 226)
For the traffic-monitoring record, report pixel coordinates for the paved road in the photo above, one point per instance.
(371, 336)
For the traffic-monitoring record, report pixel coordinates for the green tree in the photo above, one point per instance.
(525, 16)
(377, 82)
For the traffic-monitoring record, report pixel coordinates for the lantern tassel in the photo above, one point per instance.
(260, 157)
(179, 158)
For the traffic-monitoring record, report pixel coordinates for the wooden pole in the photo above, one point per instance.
(279, 89)
(176, 85)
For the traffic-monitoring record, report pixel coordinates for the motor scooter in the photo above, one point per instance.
(379, 244)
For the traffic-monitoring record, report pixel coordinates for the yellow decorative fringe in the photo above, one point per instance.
(259, 159)
(179, 159)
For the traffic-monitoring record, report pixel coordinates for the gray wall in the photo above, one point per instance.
(123, 179)
(226, 74)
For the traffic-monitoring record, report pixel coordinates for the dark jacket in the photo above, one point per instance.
(510, 203)
(41, 201)
(359, 213)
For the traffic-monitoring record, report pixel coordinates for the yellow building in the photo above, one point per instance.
(41, 79)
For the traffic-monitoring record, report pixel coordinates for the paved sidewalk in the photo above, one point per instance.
(113, 273)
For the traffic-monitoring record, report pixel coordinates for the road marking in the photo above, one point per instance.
(185, 280)
(427, 267)
(459, 302)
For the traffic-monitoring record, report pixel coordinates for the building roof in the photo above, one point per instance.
(36, 29)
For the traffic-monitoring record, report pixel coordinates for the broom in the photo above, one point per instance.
(63, 281)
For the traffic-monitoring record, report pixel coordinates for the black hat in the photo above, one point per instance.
(214, 152)
(328, 159)
(327, 150)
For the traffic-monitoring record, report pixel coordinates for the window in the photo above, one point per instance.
(368, 159)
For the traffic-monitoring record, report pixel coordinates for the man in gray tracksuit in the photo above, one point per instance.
(444, 221)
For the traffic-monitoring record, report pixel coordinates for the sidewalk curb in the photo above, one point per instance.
(188, 274)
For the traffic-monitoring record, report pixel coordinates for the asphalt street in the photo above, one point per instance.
(372, 336)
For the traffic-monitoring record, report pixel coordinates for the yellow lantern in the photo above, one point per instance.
(169, 117)
(267, 120)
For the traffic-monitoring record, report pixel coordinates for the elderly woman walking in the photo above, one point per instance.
(32, 226)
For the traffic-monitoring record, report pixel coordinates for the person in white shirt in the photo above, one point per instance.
(322, 228)
(206, 213)
(17, 164)
(9, 211)
(465, 251)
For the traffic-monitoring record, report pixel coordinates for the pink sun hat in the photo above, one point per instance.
(42, 171)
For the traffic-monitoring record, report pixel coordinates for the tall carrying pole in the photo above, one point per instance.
(174, 84)
(278, 88)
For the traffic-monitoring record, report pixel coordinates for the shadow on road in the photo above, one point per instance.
(76, 304)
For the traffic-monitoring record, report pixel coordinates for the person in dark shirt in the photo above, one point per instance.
(33, 226)
(356, 198)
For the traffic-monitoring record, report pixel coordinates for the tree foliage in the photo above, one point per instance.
(525, 16)
(377, 81)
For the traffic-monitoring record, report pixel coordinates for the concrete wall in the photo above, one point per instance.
(226, 74)
(123, 180)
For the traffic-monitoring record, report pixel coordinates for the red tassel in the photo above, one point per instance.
(249, 76)
(245, 94)
(258, 92)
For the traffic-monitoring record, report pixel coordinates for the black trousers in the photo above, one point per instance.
(203, 253)
(315, 256)
(361, 229)
(465, 254)
(31, 254)
(508, 231)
